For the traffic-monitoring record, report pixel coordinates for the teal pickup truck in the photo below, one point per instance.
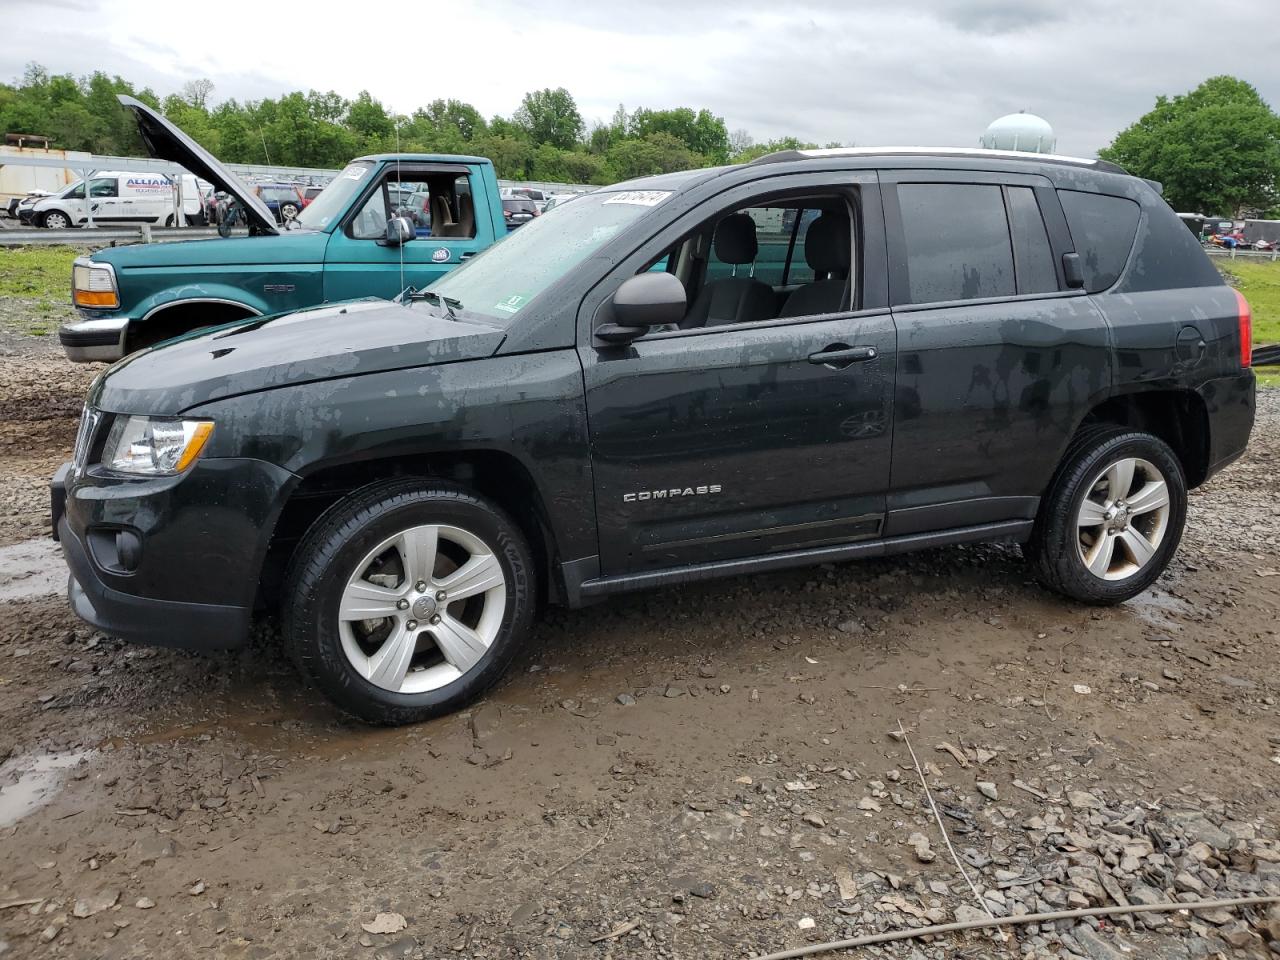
(383, 224)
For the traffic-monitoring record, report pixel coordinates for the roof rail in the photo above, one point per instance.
(976, 152)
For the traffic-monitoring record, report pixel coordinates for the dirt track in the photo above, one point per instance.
(211, 803)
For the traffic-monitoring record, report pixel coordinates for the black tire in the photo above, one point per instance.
(1053, 548)
(329, 554)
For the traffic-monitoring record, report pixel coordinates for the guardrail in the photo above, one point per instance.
(1243, 254)
(100, 236)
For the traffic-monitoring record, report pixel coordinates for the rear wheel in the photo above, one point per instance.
(288, 211)
(408, 599)
(1113, 517)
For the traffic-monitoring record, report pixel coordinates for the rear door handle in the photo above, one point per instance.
(839, 355)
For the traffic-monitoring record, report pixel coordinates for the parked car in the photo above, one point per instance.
(962, 346)
(517, 212)
(335, 249)
(309, 194)
(284, 200)
(559, 200)
(120, 196)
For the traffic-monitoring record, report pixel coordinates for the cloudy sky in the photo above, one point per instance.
(924, 72)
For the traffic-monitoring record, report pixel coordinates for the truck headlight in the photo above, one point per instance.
(94, 285)
(154, 446)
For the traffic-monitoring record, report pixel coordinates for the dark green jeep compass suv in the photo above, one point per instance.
(814, 357)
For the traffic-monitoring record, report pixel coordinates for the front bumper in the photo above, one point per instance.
(100, 339)
(199, 541)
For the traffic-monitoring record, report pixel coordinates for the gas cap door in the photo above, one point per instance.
(1190, 346)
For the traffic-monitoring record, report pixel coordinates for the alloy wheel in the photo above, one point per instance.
(422, 608)
(1122, 519)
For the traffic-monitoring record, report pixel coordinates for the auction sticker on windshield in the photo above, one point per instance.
(643, 198)
(512, 303)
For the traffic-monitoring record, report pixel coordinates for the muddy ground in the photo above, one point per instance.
(701, 772)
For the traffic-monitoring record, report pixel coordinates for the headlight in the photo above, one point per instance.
(94, 285)
(154, 447)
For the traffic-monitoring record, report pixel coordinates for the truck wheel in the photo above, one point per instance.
(1113, 517)
(56, 220)
(288, 211)
(408, 599)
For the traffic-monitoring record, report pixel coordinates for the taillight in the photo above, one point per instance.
(1246, 330)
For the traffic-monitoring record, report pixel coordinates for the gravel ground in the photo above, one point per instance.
(714, 771)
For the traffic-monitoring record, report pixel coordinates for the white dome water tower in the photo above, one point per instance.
(1020, 131)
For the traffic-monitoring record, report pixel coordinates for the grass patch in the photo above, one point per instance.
(1260, 284)
(35, 288)
(1268, 377)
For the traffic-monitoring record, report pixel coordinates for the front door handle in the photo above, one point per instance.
(841, 355)
(468, 255)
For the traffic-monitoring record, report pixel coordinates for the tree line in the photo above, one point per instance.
(545, 138)
(1216, 149)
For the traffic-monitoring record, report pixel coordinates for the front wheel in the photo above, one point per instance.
(408, 599)
(56, 220)
(1113, 517)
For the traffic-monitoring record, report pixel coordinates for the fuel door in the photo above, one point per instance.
(1191, 345)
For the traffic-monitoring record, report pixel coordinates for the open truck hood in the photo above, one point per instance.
(164, 141)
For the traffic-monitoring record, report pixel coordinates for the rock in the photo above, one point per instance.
(385, 923)
(988, 789)
(701, 806)
(706, 671)
(967, 914)
(806, 923)
(920, 843)
(813, 820)
(48, 934)
(144, 903)
(1082, 800)
(1082, 688)
(1187, 883)
(673, 691)
(1171, 674)
(197, 888)
(1197, 828)
(849, 626)
(626, 699)
(866, 803)
(96, 903)
(1095, 947)
(149, 849)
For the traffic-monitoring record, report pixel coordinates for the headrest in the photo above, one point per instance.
(826, 244)
(735, 240)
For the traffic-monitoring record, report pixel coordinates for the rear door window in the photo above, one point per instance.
(1031, 252)
(1102, 229)
(957, 240)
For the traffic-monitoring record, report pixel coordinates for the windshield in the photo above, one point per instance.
(504, 279)
(321, 212)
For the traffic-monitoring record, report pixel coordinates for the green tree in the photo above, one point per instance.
(700, 131)
(755, 150)
(1216, 149)
(550, 116)
(656, 153)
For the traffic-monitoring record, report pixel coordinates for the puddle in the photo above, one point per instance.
(32, 569)
(30, 782)
(1160, 609)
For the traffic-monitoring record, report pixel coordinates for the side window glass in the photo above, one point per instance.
(370, 222)
(77, 193)
(1031, 251)
(957, 238)
(773, 237)
(800, 271)
(1102, 229)
(104, 187)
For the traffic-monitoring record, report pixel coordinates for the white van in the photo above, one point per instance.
(121, 196)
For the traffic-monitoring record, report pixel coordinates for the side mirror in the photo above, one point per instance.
(399, 232)
(1073, 270)
(644, 301)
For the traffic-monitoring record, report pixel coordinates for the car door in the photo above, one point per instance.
(104, 197)
(997, 358)
(748, 438)
(358, 261)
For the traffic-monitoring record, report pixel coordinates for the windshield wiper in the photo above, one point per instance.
(450, 304)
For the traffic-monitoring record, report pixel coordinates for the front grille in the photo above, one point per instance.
(89, 420)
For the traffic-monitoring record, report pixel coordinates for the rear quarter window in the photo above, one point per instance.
(1102, 230)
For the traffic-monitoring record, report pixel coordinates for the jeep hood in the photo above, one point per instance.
(340, 340)
(164, 141)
